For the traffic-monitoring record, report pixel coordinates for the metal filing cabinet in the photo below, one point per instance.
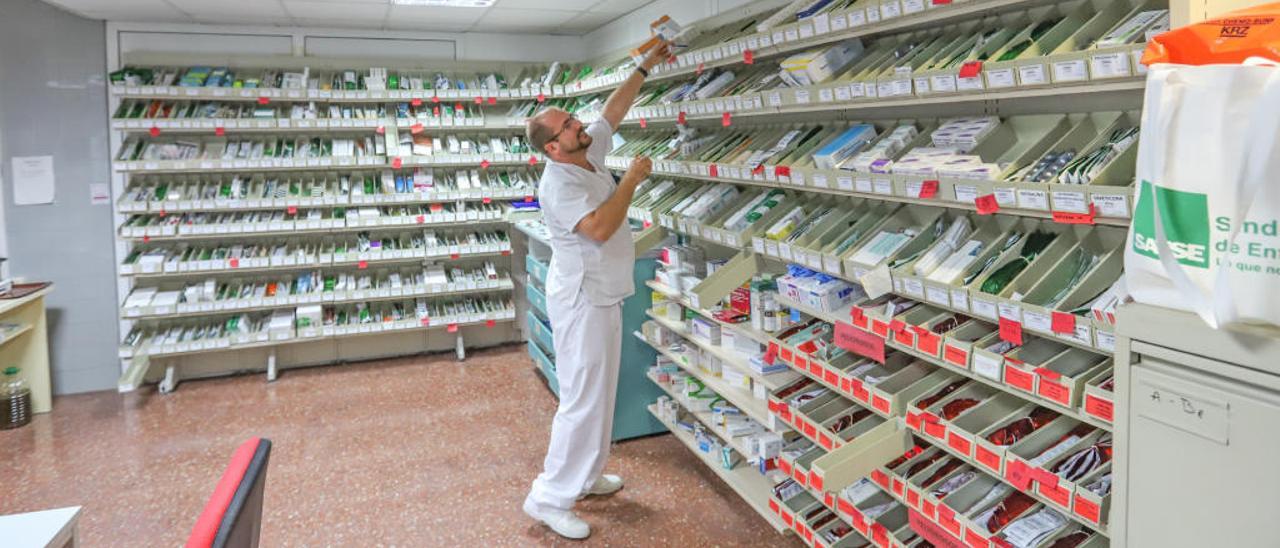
(631, 417)
(1197, 433)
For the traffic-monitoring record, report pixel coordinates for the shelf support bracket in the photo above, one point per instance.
(271, 366)
(461, 347)
(170, 381)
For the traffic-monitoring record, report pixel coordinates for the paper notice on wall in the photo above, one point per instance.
(99, 194)
(32, 180)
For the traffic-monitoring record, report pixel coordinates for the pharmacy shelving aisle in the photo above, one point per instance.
(636, 391)
(917, 210)
(296, 211)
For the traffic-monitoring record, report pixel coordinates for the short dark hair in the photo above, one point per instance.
(539, 133)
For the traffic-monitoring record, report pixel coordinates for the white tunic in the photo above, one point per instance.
(567, 193)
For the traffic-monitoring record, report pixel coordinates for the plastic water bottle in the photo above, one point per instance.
(15, 400)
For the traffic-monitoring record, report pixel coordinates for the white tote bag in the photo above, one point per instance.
(1205, 235)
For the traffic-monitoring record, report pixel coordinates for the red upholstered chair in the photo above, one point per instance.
(233, 516)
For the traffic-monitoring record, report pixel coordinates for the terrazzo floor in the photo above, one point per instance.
(421, 451)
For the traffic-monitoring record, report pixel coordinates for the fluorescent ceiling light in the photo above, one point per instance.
(446, 3)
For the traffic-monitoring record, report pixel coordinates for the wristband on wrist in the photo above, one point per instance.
(643, 72)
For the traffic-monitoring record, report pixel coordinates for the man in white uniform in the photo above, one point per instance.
(591, 273)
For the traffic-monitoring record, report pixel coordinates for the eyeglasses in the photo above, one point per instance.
(568, 122)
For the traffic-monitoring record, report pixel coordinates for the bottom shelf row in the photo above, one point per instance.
(310, 322)
(925, 497)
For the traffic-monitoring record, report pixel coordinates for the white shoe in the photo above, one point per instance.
(606, 484)
(563, 522)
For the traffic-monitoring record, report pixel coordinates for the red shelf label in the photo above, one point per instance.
(936, 430)
(1063, 322)
(155, 131)
(263, 100)
(1018, 474)
(880, 478)
(415, 129)
(396, 163)
(235, 262)
(643, 123)
(362, 265)
(859, 342)
(928, 343)
(831, 377)
(542, 98)
(417, 102)
(1066, 217)
(490, 323)
(1018, 378)
(713, 171)
(955, 356)
(220, 131)
(726, 120)
(881, 404)
(960, 443)
(1099, 407)
(1011, 331)
(988, 459)
(1054, 391)
(748, 57)
(987, 204)
(913, 498)
(1086, 509)
(970, 69)
(493, 100)
(815, 480)
(381, 130)
(479, 101)
(452, 328)
(929, 189)
(975, 540)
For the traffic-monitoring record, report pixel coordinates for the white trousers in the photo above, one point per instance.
(588, 347)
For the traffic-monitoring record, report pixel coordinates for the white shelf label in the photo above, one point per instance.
(1109, 65)
(775, 99)
(857, 18)
(1031, 75)
(987, 365)
(1073, 202)
(844, 183)
(970, 84)
(891, 9)
(802, 96)
(1070, 71)
(862, 184)
(1033, 199)
(1111, 205)
(937, 295)
(912, 6)
(1037, 321)
(943, 84)
(986, 309)
(882, 186)
(966, 194)
(1010, 312)
(843, 94)
(960, 299)
(826, 95)
(1001, 78)
(1106, 341)
(1006, 197)
(820, 181)
(913, 287)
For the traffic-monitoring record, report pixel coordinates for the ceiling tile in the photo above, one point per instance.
(232, 11)
(561, 5)
(619, 6)
(163, 15)
(339, 23)
(436, 14)
(587, 22)
(330, 10)
(505, 17)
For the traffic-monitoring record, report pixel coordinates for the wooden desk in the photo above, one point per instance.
(28, 347)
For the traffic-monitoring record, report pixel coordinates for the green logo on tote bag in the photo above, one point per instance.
(1185, 216)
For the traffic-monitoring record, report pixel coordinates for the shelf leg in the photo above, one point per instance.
(170, 381)
(271, 366)
(462, 348)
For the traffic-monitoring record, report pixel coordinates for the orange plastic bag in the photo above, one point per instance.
(1230, 39)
